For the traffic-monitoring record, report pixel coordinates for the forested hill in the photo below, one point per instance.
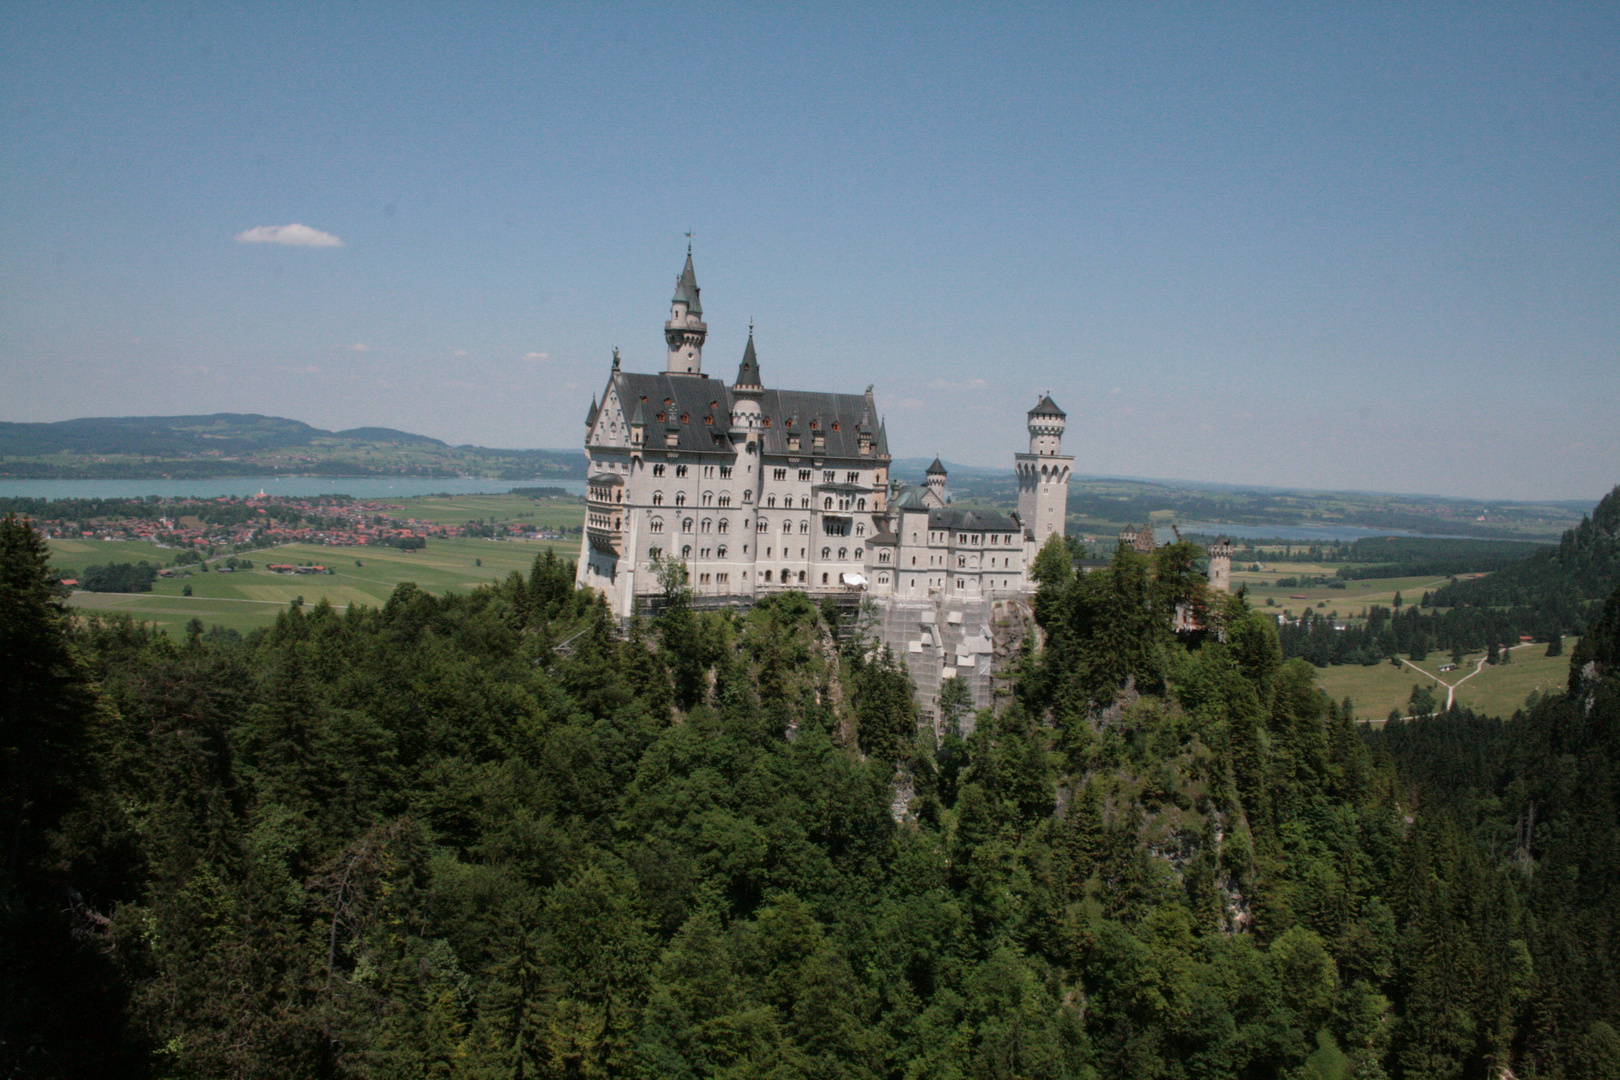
(485, 835)
(1578, 574)
(236, 444)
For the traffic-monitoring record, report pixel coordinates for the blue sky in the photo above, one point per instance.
(1327, 246)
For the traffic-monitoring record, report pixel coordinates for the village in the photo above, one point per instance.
(210, 528)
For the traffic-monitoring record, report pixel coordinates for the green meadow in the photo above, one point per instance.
(248, 599)
(1495, 691)
(1348, 601)
(542, 513)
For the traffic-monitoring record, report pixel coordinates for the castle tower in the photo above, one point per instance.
(935, 482)
(747, 390)
(685, 331)
(1220, 565)
(1043, 473)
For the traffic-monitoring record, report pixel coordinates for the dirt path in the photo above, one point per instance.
(1451, 687)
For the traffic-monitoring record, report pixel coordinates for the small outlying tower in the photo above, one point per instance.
(1043, 473)
(1220, 565)
(934, 482)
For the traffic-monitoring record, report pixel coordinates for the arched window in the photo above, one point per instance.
(767, 577)
(686, 551)
(708, 524)
(658, 498)
(860, 504)
(680, 498)
(748, 496)
(804, 527)
(763, 525)
(883, 556)
(725, 498)
(843, 553)
(801, 577)
(656, 525)
(720, 552)
(860, 528)
(824, 579)
(770, 500)
(686, 525)
(725, 525)
(804, 502)
(708, 498)
(826, 504)
(787, 526)
(658, 470)
(826, 553)
(857, 553)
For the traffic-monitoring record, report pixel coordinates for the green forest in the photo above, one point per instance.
(496, 834)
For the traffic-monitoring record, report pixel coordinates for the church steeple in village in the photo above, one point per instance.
(685, 331)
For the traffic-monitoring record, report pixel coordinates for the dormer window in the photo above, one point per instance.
(835, 425)
(686, 418)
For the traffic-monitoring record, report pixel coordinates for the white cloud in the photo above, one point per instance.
(459, 352)
(971, 384)
(289, 235)
(359, 346)
(536, 357)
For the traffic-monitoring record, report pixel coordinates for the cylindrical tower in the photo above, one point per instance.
(686, 331)
(1043, 473)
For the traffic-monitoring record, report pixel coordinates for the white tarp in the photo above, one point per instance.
(854, 579)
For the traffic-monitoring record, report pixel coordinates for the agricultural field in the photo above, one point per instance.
(75, 555)
(1494, 691)
(1348, 601)
(542, 513)
(248, 599)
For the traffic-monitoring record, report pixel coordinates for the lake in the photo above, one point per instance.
(1299, 533)
(290, 487)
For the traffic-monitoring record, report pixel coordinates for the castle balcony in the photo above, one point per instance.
(604, 529)
(607, 488)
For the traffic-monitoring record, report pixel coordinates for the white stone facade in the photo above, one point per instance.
(756, 490)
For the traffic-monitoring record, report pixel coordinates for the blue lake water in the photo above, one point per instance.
(1302, 533)
(290, 487)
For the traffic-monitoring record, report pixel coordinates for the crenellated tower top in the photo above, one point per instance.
(1046, 424)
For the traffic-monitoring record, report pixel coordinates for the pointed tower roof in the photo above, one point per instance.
(882, 446)
(590, 417)
(936, 469)
(640, 418)
(748, 370)
(686, 286)
(1047, 407)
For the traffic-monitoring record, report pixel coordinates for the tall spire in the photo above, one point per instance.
(685, 331)
(748, 370)
(686, 286)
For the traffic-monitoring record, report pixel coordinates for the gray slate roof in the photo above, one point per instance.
(949, 517)
(699, 397)
(748, 370)
(1047, 407)
(686, 287)
(936, 469)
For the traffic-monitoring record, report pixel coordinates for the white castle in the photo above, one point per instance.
(757, 491)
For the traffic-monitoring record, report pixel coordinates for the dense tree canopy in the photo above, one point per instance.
(500, 835)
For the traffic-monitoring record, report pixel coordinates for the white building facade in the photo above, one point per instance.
(756, 490)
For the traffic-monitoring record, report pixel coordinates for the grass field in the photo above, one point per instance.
(1494, 691)
(75, 555)
(248, 599)
(493, 509)
(1348, 601)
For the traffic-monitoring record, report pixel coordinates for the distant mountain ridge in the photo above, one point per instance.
(237, 444)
